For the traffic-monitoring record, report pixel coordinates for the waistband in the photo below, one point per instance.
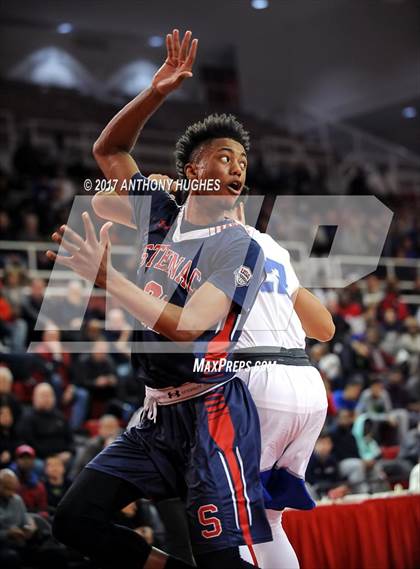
(281, 356)
(172, 395)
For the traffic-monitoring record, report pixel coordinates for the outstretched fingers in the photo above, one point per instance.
(175, 37)
(170, 46)
(62, 259)
(104, 238)
(70, 234)
(189, 62)
(69, 247)
(184, 46)
(89, 229)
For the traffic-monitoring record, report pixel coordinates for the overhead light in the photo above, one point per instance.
(65, 28)
(409, 112)
(53, 66)
(259, 4)
(155, 41)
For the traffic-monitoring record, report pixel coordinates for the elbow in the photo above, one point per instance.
(187, 331)
(98, 205)
(181, 337)
(327, 333)
(99, 149)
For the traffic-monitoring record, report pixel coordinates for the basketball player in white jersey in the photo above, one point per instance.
(289, 392)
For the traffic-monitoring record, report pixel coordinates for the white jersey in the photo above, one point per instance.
(272, 320)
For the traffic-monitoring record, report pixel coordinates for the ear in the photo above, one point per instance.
(190, 171)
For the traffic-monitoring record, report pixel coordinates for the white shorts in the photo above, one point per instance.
(292, 406)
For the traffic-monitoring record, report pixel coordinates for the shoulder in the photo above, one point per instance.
(238, 234)
(18, 502)
(271, 245)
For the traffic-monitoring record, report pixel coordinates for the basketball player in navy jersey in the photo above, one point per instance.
(198, 276)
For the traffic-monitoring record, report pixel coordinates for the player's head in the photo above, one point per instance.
(215, 149)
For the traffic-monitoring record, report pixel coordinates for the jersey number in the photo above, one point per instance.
(213, 522)
(276, 278)
(154, 288)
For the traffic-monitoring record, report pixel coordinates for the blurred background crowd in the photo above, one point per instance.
(59, 406)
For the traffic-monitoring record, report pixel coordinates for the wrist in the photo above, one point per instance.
(114, 281)
(156, 93)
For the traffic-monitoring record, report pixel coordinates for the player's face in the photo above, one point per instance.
(223, 159)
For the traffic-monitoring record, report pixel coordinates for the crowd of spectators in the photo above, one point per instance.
(59, 408)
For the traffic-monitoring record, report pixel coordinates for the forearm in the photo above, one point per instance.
(163, 317)
(122, 132)
(315, 318)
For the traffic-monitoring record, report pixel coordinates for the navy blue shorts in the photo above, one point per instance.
(207, 451)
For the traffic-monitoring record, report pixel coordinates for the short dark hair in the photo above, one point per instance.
(213, 126)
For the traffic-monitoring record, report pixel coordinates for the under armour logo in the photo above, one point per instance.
(174, 394)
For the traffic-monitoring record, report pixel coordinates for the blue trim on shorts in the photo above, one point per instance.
(283, 489)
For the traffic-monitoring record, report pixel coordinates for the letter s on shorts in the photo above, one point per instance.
(216, 528)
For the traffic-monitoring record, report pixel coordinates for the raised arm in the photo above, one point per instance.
(112, 150)
(315, 318)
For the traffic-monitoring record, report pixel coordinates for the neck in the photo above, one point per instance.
(198, 215)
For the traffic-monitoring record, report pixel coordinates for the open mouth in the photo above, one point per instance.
(235, 187)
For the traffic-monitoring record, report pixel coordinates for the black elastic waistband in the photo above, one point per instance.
(282, 356)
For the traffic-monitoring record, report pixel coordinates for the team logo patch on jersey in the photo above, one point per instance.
(242, 276)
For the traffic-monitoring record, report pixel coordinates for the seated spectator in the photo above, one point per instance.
(410, 448)
(13, 330)
(91, 330)
(44, 427)
(31, 306)
(410, 341)
(391, 328)
(16, 527)
(32, 489)
(97, 374)
(8, 439)
(6, 394)
(331, 408)
(347, 398)
(118, 331)
(56, 483)
(375, 404)
(374, 293)
(14, 283)
(323, 472)
(71, 310)
(30, 227)
(369, 450)
(327, 363)
(25, 539)
(392, 300)
(70, 396)
(109, 429)
(358, 472)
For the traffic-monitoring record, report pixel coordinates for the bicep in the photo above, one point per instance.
(119, 166)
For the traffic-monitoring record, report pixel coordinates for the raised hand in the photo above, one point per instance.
(88, 258)
(178, 64)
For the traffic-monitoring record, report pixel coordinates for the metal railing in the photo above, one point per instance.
(338, 266)
(310, 138)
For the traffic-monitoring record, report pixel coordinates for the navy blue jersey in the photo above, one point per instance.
(176, 258)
